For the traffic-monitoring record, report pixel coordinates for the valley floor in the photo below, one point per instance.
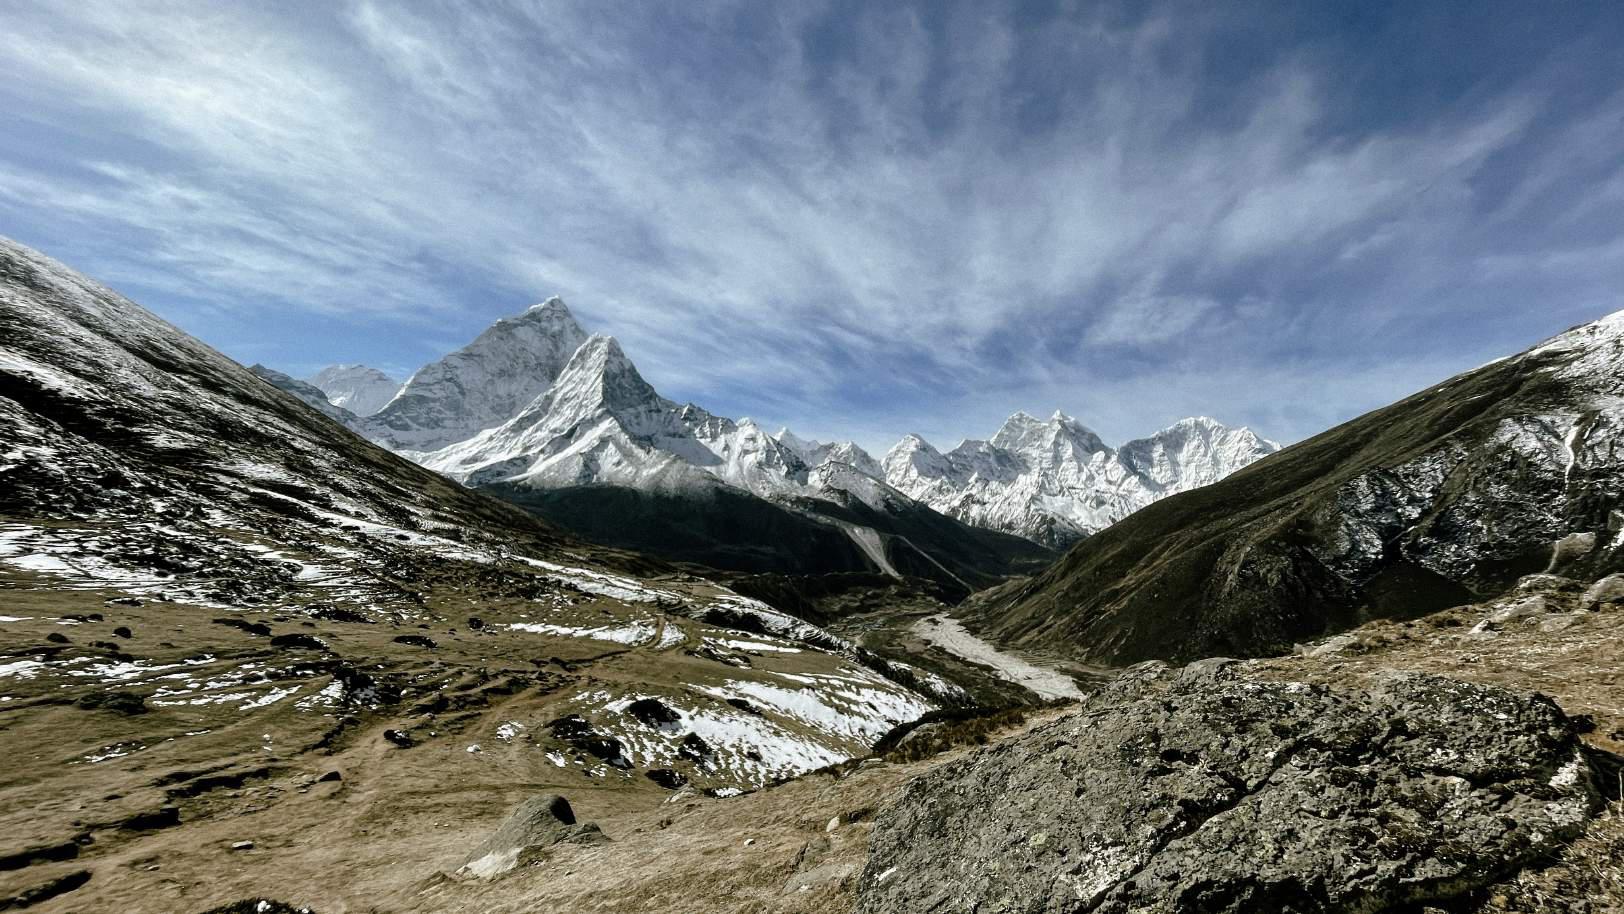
(169, 803)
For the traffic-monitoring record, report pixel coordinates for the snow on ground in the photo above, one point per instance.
(950, 635)
(748, 749)
(860, 707)
(633, 633)
(742, 644)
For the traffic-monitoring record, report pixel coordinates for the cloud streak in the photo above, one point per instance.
(866, 217)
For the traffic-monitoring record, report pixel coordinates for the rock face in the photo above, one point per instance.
(1193, 790)
(481, 385)
(1445, 498)
(307, 394)
(1056, 482)
(537, 824)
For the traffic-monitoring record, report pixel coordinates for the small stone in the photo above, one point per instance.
(242, 846)
(1522, 609)
(833, 824)
(330, 776)
(1607, 590)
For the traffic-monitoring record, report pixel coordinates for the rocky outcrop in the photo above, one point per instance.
(1196, 790)
(537, 824)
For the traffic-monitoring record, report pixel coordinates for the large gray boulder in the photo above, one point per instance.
(537, 824)
(1197, 791)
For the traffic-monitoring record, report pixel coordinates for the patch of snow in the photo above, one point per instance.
(633, 633)
(950, 635)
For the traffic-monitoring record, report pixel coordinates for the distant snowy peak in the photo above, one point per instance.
(913, 460)
(1060, 438)
(815, 453)
(482, 385)
(1055, 481)
(1194, 452)
(358, 388)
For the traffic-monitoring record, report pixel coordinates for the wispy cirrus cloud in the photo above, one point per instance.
(861, 217)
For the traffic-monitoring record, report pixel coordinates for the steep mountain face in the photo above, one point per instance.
(602, 423)
(1056, 482)
(1443, 498)
(602, 453)
(357, 388)
(481, 385)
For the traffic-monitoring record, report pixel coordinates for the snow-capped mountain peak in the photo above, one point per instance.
(483, 384)
(805, 448)
(1056, 481)
(358, 388)
(913, 460)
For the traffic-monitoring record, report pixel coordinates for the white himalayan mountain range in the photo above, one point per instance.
(536, 403)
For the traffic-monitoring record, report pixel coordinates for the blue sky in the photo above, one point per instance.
(860, 219)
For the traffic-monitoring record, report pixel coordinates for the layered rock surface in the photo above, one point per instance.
(1194, 790)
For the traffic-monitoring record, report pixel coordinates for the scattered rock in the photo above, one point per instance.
(123, 631)
(1344, 643)
(1522, 609)
(299, 641)
(206, 782)
(696, 750)
(1546, 583)
(57, 638)
(830, 874)
(416, 641)
(258, 906)
(242, 845)
(340, 614)
(669, 778)
(40, 853)
(362, 689)
(537, 824)
(330, 776)
(34, 895)
(1197, 791)
(117, 702)
(1607, 590)
(252, 628)
(475, 623)
(578, 732)
(163, 817)
(651, 712)
(400, 738)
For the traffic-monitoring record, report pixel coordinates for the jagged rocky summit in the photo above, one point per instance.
(357, 388)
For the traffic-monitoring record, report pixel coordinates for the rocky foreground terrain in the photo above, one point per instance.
(1401, 767)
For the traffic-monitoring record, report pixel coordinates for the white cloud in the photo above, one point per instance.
(746, 215)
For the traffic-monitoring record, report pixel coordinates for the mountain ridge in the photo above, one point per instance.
(1446, 497)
